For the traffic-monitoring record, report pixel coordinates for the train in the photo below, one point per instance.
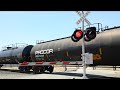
(105, 49)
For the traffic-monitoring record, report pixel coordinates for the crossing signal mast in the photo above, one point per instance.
(86, 35)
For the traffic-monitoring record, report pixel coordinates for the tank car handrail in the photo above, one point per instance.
(13, 46)
(112, 28)
(54, 40)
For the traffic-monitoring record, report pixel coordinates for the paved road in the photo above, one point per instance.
(60, 73)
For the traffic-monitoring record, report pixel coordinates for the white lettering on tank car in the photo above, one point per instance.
(47, 51)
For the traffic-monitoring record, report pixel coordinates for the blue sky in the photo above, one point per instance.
(29, 26)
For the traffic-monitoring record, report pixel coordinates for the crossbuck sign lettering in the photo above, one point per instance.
(83, 17)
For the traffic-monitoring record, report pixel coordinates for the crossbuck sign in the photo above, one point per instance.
(83, 17)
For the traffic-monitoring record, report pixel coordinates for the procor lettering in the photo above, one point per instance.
(47, 51)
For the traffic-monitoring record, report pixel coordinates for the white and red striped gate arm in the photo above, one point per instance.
(50, 63)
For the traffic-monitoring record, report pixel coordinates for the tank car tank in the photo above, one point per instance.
(15, 55)
(105, 47)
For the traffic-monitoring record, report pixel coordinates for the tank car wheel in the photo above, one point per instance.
(22, 69)
(1, 65)
(42, 69)
(27, 69)
(36, 70)
(51, 68)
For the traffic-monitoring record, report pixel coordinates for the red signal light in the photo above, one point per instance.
(78, 34)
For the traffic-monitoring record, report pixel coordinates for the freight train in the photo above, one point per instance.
(43, 56)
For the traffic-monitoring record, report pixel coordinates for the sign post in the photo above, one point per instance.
(82, 19)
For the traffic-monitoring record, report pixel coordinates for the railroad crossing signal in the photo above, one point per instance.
(83, 17)
(77, 35)
(90, 34)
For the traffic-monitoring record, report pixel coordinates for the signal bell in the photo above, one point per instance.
(77, 35)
